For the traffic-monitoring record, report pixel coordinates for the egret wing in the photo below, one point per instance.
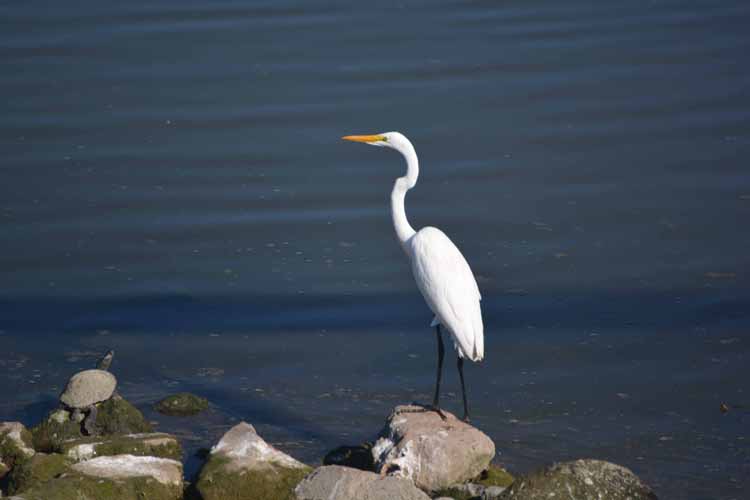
(450, 290)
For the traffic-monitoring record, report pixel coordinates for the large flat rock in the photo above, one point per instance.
(434, 453)
(334, 482)
(163, 470)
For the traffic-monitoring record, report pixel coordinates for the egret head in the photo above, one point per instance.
(393, 140)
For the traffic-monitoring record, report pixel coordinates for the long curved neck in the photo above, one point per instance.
(404, 231)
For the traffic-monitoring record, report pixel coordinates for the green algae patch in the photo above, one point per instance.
(183, 404)
(74, 486)
(164, 446)
(57, 427)
(495, 476)
(146, 445)
(117, 416)
(37, 470)
(219, 481)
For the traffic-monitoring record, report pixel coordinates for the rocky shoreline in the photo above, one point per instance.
(98, 446)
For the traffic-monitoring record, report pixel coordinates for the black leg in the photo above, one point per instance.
(463, 387)
(441, 354)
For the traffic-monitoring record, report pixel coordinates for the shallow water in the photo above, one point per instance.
(173, 186)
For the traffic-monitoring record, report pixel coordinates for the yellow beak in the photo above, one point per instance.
(364, 138)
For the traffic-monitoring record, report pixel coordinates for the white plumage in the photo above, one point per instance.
(450, 290)
(441, 272)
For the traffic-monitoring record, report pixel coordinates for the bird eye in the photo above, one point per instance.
(384, 139)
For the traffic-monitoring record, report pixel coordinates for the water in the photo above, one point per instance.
(173, 186)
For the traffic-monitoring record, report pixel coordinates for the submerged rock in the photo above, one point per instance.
(182, 405)
(87, 388)
(432, 452)
(580, 479)
(16, 445)
(334, 482)
(155, 444)
(242, 465)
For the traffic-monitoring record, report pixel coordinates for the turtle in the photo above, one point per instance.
(87, 388)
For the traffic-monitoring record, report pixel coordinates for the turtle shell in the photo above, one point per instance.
(87, 388)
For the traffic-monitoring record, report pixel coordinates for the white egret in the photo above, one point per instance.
(441, 272)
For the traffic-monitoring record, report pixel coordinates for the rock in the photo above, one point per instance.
(117, 416)
(487, 486)
(358, 457)
(182, 404)
(16, 445)
(38, 469)
(493, 492)
(53, 430)
(242, 465)
(156, 444)
(122, 477)
(334, 482)
(163, 470)
(580, 479)
(432, 452)
(87, 388)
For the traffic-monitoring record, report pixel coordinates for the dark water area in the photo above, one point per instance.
(173, 186)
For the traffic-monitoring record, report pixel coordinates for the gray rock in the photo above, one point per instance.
(492, 492)
(476, 490)
(333, 482)
(87, 388)
(434, 453)
(580, 479)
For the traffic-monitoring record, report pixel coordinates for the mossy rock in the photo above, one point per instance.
(580, 479)
(182, 405)
(56, 428)
(38, 469)
(493, 476)
(81, 487)
(149, 444)
(114, 417)
(16, 446)
(117, 416)
(219, 481)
